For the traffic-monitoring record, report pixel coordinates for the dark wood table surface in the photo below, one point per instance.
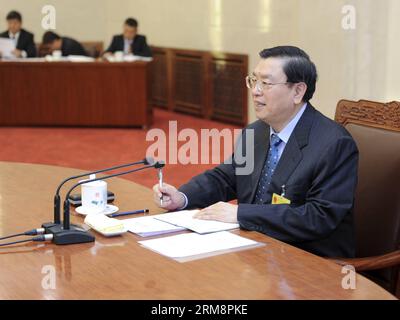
(119, 268)
(101, 94)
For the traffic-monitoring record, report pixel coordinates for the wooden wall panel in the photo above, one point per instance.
(188, 82)
(206, 84)
(160, 77)
(228, 93)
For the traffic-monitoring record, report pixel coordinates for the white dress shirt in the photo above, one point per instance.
(127, 46)
(286, 132)
(15, 38)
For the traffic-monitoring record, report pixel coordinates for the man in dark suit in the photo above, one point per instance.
(67, 46)
(129, 42)
(304, 165)
(24, 43)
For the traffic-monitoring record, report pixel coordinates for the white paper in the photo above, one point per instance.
(131, 58)
(127, 58)
(76, 58)
(28, 59)
(193, 244)
(185, 219)
(149, 226)
(7, 46)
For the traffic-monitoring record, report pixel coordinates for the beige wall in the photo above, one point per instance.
(354, 64)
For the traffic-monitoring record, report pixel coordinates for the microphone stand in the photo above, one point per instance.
(68, 233)
(57, 199)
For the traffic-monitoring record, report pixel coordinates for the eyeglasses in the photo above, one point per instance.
(260, 85)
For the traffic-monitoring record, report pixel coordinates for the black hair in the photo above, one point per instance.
(297, 66)
(49, 37)
(131, 22)
(14, 15)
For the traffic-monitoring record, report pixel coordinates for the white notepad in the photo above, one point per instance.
(191, 246)
(108, 227)
(149, 226)
(185, 219)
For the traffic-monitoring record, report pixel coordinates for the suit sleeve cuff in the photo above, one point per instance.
(186, 201)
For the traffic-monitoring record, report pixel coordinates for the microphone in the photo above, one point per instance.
(71, 234)
(57, 200)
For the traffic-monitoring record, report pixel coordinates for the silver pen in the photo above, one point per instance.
(160, 182)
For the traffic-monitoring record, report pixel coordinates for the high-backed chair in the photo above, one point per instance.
(93, 48)
(376, 129)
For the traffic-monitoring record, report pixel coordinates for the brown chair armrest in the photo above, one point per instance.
(371, 263)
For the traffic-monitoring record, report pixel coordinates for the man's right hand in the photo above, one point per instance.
(172, 198)
(107, 55)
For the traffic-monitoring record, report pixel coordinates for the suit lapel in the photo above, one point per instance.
(292, 153)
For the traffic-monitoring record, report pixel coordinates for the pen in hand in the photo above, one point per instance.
(129, 212)
(160, 183)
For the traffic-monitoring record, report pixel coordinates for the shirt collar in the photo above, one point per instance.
(15, 35)
(286, 132)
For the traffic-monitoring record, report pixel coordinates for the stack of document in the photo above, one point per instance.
(191, 246)
(132, 58)
(127, 58)
(29, 59)
(173, 222)
(211, 237)
(149, 226)
(76, 58)
(185, 219)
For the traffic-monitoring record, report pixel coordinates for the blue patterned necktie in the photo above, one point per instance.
(268, 169)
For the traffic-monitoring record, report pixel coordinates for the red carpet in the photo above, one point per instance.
(95, 148)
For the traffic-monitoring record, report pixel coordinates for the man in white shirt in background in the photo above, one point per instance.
(24, 43)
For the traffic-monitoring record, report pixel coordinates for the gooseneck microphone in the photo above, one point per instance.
(70, 234)
(57, 200)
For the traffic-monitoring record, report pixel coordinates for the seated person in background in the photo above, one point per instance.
(66, 45)
(129, 42)
(297, 155)
(24, 44)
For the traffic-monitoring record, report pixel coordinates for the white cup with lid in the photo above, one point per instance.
(119, 56)
(57, 54)
(94, 196)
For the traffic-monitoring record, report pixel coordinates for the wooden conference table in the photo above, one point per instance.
(75, 94)
(119, 268)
